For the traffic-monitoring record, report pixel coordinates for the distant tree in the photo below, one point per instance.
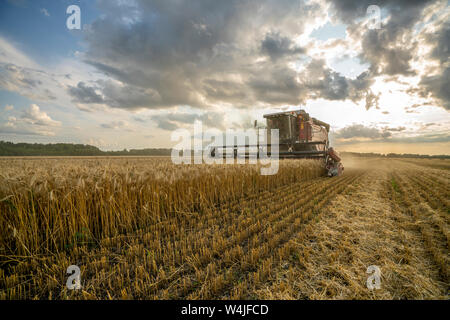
(69, 149)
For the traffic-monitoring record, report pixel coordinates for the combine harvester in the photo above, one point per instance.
(300, 137)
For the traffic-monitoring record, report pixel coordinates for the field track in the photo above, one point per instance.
(394, 217)
(310, 239)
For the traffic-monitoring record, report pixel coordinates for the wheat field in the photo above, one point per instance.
(144, 228)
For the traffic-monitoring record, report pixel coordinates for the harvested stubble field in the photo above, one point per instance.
(143, 228)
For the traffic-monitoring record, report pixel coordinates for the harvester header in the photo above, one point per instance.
(300, 137)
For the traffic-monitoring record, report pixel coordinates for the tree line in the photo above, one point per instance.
(69, 149)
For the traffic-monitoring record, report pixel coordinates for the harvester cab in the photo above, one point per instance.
(300, 137)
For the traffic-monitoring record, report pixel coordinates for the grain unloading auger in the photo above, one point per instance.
(300, 137)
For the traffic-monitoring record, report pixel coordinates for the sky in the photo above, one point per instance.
(138, 70)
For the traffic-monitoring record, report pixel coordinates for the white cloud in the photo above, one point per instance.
(9, 53)
(35, 116)
(45, 12)
(32, 121)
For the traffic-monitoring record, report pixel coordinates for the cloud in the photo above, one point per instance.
(441, 39)
(173, 120)
(169, 54)
(243, 55)
(165, 124)
(390, 49)
(276, 46)
(9, 53)
(211, 61)
(45, 12)
(117, 125)
(114, 95)
(29, 82)
(396, 129)
(56, 84)
(436, 86)
(358, 132)
(226, 91)
(85, 94)
(127, 96)
(35, 116)
(32, 121)
(407, 11)
(384, 58)
(399, 47)
(322, 82)
(10, 128)
(426, 138)
(161, 55)
(20, 74)
(278, 85)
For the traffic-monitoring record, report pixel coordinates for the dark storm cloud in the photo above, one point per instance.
(226, 91)
(355, 131)
(437, 86)
(322, 82)
(85, 94)
(173, 54)
(359, 131)
(384, 59)
(389, 50)
(163, 54)
(128, 96)
(116, 96)
(276, 46)
(350, 10)
(441, 39)
(276, 86)
(282, 85)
